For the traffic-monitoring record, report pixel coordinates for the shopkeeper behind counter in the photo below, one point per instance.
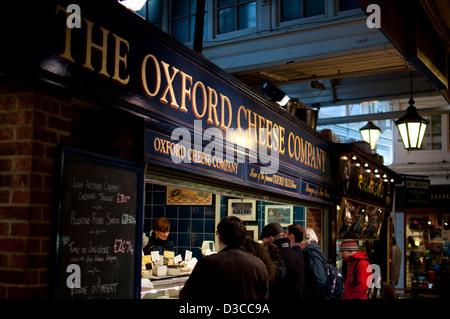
(158, 240)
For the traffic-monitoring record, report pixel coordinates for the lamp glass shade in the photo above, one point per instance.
(370, 133)
(412, 128)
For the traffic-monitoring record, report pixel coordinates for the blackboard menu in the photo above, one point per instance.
(99, 233)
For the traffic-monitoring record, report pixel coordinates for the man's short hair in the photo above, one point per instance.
(298, 231)
(232, 231)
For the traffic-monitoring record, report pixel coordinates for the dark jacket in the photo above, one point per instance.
(292, 285)
(298, 249)
(316, 279)
(232, 273)
(155, 244)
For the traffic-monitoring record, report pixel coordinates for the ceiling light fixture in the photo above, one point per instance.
(275, 93)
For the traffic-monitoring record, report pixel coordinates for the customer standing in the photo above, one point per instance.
(256, 249)
(359, 275)
(316, 278)
(232, 273)
(295, 234)
(291, 285)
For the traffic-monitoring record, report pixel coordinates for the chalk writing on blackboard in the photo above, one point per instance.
(98, 229)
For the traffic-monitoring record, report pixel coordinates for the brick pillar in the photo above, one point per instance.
(33, 121)
(314, 220)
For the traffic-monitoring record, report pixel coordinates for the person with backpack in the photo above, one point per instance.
(359, 276)
(289, 282)
(315, 264)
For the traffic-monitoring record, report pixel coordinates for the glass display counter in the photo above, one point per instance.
(164, 288)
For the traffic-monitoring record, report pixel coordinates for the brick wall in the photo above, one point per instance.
(108, 131)
(33, 121)
(314, 220)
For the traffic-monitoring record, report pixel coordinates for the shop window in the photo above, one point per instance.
(295, 9)
(345, 5)
(348, 132)
(427, 251)
(192, 221)
(192, 218)
(433, 135)
(235, 15)
(182, 22)
(359, 221)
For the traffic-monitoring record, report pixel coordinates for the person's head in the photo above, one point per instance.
(295, 233)
(348, 247)
(231, 231)
(308, 237)
(161, 227)
(258, 250)
(271, 232)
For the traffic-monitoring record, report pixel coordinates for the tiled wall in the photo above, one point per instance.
(191, 225)
(299, 213)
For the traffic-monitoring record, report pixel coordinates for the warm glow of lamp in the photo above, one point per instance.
(370, 133)
(411, 126)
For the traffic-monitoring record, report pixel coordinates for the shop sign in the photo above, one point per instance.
(312, 190)
(134, 65)
(440, 196)
(417, 192)
(160, 147)
(277, 181)
(363, 180)
(99, 229)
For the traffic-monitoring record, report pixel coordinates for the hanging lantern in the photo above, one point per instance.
(370, 133)
(411, 126)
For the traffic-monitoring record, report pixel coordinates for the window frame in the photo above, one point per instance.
(236, 32)
(302, 19)
(188, 16)
(429, 134)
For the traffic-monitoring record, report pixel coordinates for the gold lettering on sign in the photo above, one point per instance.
(102, 51)
(99, 48)
(119, 59)
(67, 55)
(197, 114)
(144, 75)
(370, 186)
(102, 48)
